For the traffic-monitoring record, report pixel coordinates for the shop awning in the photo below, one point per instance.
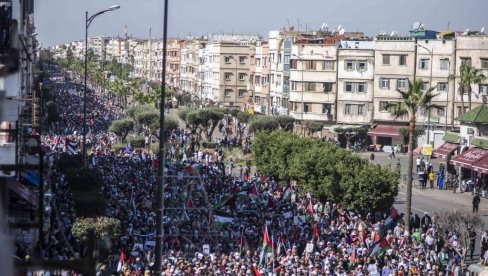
(23, 192)
(385, 131)
(444, 150)
(468, 158)
(481, 166)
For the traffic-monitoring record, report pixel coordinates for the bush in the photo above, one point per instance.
(136, 141)
(325, 171)
(118, 147)
(103, 227)
(263, 123)
(209, 145)
(89, 204)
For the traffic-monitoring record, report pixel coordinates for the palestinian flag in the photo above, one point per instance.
(267, 247)
(352, 258)
(220, 220)
(309, 214)
(189, 203)
(281, 248)
(242, 243)
(287, 194)
(315, 230)
(231, 200)
(121, 261)
(253, 192)
(255, 270)
(390, 222)
(380, 247)
(362, 231)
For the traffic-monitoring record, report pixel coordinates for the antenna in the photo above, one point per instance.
(416, 25)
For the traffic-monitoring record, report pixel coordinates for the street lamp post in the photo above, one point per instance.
(88, 21)
(431, 52)
(303, 91)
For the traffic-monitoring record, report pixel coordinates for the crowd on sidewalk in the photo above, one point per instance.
(218, 221)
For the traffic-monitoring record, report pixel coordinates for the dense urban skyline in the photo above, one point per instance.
(194, 17)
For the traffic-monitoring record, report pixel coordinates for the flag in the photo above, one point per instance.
(310, 208)
(222, 220)
(362, 231)
(267, 247)
(231, 200)
(287, 194)
(380, 247)
(71, 146)
(255, 270)
(253, 192)
(280, 246)
(128, 148)
(90, 122)
(121, 261)
(352, 258)
(390, 222)
(242, 242)
(315, 230)
(189, 203)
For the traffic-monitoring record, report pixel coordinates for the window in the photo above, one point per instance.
(227, 92)
(328, 65)
(444, 64)
(293, 64)
(242, 92)
(401, 83)
(362, 65)
(425, 85)
(386, 59)
(278, 79)
(347, 109)
(327, 87)
(258, 62)
(227, 76)
(307, 107)
(242, 59)
(348, 87)
(402, 61)
(442, 86)
(360, 109)
(294, 85)
(483, 89)
(287, 59)
(310, 86)
(227, 60)
(310, 64)
(441, 112)
(461, 110)
(424, 64)
(361, 87)
(384, 106)
(466, 61)
(326, 108)
(257, 80)
(242, 76)
(349, 65)
(384, 83)
(484, 63)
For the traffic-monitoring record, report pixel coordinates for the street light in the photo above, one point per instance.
(303, 91)
(88, 21)
(431, 51)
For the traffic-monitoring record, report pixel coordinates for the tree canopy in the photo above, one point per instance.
(353, 182)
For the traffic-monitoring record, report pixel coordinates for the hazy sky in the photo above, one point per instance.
(60, 21)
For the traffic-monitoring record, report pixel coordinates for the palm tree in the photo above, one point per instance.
(469, 75)
(413, 101)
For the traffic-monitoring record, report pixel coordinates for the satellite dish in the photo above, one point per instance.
(339, 27)
(333, 31)
(416, 25)
(323, 26)
(482, 30)
(466, 32)
(342, 31)
(392, 33)
(383, 33)
(421, 26)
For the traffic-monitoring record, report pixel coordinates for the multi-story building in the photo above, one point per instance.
(190, 67)
(258, 85)
(313, 77)
(99, 45)
(173, 63)
(21, 211)
(355, 73)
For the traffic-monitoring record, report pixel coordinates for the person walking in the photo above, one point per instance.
(417, 162)
(431, 179)
(476, 202)
(371, 157)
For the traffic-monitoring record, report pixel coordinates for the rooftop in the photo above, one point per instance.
(477, 115)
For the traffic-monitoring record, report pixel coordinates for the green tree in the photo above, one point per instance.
(122, 127)
(469, 75)
(103, 227)
(209, 119)
(313, 127)
(351, 132)
(285, 122)
(413, 100)
(263, 123)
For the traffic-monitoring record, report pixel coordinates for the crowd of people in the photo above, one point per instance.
(219, 221)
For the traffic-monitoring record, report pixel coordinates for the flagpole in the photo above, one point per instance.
(240, 243)
(272, 253)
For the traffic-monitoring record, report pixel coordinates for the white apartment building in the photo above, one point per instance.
(313, 77)
(258, 85)
(99, 45)
(355, 73)
(280, 43)
(190, 67)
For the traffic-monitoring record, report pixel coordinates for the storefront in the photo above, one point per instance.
(465, 162)
(385, 135)
(481, 167)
